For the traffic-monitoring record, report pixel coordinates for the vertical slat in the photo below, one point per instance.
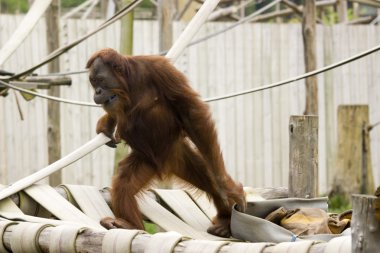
(257, 67)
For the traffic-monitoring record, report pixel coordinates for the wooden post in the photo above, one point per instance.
(54, 116)
(353, 164)
(126, 41)
(365, 224)
(165, 10)
(303, 156)
(342, 11)
(309, 34)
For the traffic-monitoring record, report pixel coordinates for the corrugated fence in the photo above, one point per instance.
(253, 129)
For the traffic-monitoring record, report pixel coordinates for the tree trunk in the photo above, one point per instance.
(54, 121)
(309, 34)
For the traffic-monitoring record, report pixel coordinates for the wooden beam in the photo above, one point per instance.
(361, 20)
(288, 11)
(303, 156)
(373, 3)
(51, 80)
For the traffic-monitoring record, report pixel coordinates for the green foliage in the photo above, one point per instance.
(146, 4)
(14, 6)
(151, 228)
(338, 204)
(71, 3)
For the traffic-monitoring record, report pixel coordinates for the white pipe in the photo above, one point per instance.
(101, 139)
(192, 28)
(24, 28)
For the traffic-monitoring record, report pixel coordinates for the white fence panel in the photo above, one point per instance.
(253, 129)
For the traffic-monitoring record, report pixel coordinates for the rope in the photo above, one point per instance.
(57, 99)
(265, 87)
(371, 127)
(241, 21)
(63, 49)
(297, 78)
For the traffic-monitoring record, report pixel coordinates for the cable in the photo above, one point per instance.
(241, 21)
(49, 97)
(265, 87)
(244, 20)
(297, 78)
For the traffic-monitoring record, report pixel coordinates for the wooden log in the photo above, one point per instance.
(365, 224)
(91, 241)
(51, 80)
(303, 156)
(353, 164)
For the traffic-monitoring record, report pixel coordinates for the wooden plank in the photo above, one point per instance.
(275, 107)
(328, 113)
(239, 82)
(303, 156)
(354, 154)
(257, 66)
(249, 117)
(285, 101)
(266, 101)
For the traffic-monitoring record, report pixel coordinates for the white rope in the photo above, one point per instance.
(57, 99)
(239, 93)
(297, 78)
